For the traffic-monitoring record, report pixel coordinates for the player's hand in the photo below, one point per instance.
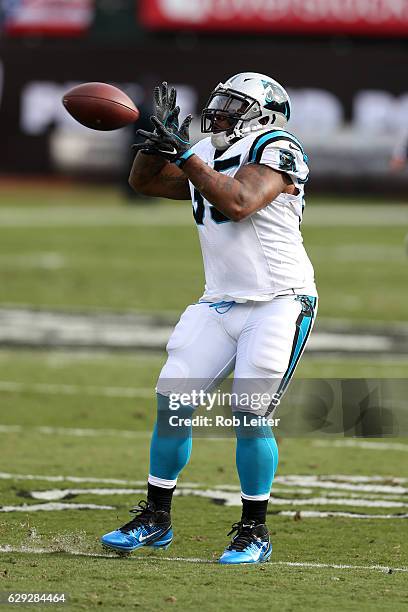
(164, 103)
(172, 145)
(164, 108)
(150, 146)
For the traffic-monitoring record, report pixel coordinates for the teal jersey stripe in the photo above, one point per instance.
(262, 141)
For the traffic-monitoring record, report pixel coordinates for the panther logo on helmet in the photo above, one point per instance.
(268, 91)
(247, 102)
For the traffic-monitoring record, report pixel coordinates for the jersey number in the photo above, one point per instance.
(199, 201)
(199, 210)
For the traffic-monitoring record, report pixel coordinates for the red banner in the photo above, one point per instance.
(48, 17)
(366, 17)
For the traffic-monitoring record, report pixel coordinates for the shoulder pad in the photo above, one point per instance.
(282, 139)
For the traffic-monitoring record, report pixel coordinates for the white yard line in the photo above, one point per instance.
(338, 493)
(6, 548)
(380, 568)
(75, 432)
(363, 444)
(89, 432)
(57, 494)
(46, 261)
(349, 343)
(234, 499)
(18, 387)
(358, 252)
(78, 479)
(228, 497)
(336, 514)
(349, 478)
(313, 481)
(67, 216)
(168, 214)
(308, 480)
(123, 433)
(304, 514)
(53, 506)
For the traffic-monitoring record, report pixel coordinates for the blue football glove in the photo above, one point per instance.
(172, 143)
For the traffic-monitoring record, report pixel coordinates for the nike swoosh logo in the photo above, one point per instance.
(149, 535)
(292, 147)
(173, 152)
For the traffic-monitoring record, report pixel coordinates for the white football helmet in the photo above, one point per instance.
(245, 103)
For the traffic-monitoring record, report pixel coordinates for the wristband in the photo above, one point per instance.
(183, 158)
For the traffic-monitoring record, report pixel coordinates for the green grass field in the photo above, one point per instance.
(85, 249)
(74, 426)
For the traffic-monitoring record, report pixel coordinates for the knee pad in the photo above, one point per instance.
(270, 347)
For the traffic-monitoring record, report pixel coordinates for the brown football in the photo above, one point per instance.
(100, 106)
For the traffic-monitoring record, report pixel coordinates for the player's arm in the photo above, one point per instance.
(253, 187)
(152, 175)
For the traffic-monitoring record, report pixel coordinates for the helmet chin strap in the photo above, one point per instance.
(221, 141)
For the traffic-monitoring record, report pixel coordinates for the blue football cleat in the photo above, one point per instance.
(150, 527)
(250, 544)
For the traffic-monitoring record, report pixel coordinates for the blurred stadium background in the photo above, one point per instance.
(344, 65)
(93, 277)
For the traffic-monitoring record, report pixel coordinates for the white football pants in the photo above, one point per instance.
(262, 341)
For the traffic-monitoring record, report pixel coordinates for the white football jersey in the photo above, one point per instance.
(263, 255)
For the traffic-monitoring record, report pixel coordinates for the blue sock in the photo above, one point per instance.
(256, 457)
(170, 447)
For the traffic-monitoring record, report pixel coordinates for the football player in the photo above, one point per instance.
(246, 182)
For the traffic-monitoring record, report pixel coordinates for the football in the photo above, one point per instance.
(100, 106)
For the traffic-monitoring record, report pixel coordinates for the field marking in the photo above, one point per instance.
(380, 568)
(53, 389)
(350, 343)
(351, 478)
(53, 506)
(331, 215)
(290, 479)
(362, 444)
(59, 506)
(336, 514)
(338, 491)
(359, 252)
(234, 499)
(57, 494)
(313, 481)
(67, 216)
(60, 478)
(75, 432)
(81, 479)
(90, 433)
(45, 261)
(7, 548)
(123, 433)
(228, 497)
(25, 327)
